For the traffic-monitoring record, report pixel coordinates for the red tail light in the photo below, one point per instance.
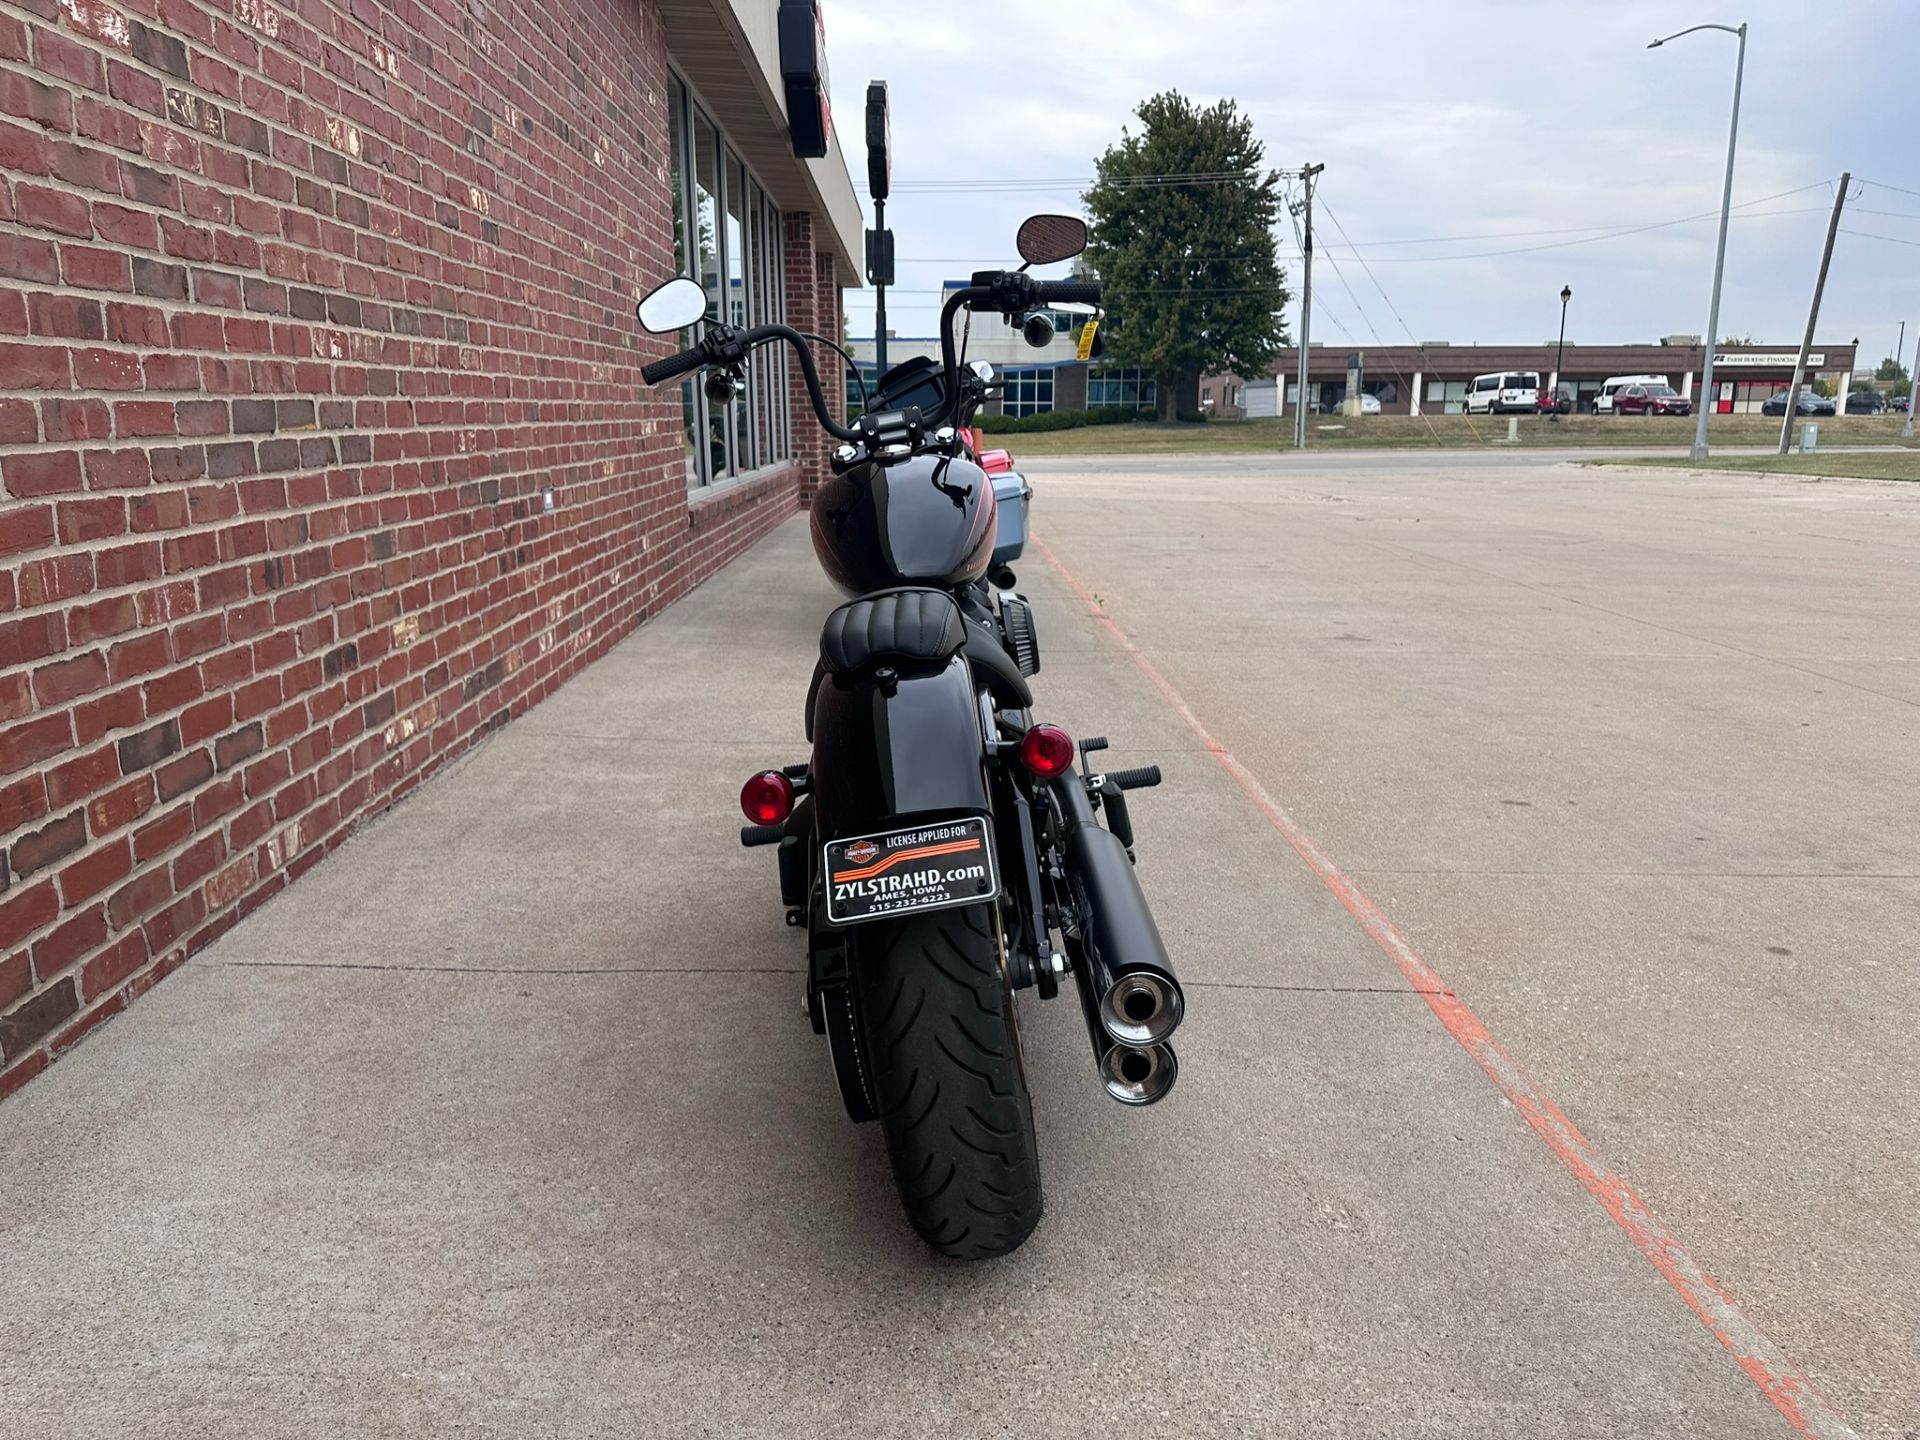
(1047, 751)
(767, 799)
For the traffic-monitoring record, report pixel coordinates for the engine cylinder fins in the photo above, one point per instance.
(1022, 636)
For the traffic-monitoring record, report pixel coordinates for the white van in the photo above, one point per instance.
(1603, 402)
(1511, 390)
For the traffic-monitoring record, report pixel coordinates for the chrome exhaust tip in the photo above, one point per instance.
(1142, 1008)
(1139, 1075)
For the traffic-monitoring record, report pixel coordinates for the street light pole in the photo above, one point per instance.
(1560, 353)
(1699, 451)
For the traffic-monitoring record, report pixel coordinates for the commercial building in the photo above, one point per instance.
(1037, 380)
(1432, 378)
(324, 446)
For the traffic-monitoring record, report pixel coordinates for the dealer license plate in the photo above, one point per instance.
(896, 872)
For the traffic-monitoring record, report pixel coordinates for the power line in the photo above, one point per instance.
(1614, 234)
(1589, 232)
(1200, 178)
(1413, 396)
(1884, 186)
(1890, 239)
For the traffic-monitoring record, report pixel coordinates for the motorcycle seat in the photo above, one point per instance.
(855, 638)
(909, 624)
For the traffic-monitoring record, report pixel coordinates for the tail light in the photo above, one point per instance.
(1046, 751)
(767, 799)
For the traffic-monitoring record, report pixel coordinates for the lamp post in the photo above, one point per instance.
(1560, 352)
(1699, 451)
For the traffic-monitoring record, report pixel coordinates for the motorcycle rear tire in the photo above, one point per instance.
(948, 1081)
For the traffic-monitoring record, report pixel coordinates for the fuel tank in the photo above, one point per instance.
(917, 520)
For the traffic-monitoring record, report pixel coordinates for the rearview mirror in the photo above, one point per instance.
(674, 306)
(1046, 238)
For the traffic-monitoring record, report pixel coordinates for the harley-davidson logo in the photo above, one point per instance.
(861, 851)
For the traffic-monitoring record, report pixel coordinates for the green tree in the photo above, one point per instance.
(1892, 369)
(1192, 280)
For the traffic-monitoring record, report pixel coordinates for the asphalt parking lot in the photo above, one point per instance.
(505, 1121)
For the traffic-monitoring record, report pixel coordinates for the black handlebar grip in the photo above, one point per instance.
(1145, 778)
(1070, 292)
(673, 365)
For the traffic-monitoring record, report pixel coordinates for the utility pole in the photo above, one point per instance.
(1813, 314)
(1307, 174)
(1913, 393)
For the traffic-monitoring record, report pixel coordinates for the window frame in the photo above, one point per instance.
(758, 424)
(1023, 394)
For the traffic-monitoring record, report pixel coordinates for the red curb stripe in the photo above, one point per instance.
(1790, 1392)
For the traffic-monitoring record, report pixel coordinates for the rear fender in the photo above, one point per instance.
(898, 752)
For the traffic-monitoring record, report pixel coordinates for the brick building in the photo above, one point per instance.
(323, 445)
(1432, 379)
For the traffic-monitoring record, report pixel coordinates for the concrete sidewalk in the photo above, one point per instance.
(506, 1121)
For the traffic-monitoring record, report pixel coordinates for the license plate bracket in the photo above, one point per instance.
(909, 869)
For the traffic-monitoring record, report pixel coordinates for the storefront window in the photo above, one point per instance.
(739, 409)
(1029, 391)
(856, 394)
(735, 236)
(1120, 387)
(706, 249)
(677, 150)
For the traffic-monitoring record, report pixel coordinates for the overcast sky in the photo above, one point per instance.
(1437, 121)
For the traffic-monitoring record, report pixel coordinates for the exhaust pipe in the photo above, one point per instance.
(1128, 994)
(1139, 1077)
(1137, 1000)
(1132, 1074)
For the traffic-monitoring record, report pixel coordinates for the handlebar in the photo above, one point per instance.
(1009, 292)
(673, 365)
(1069, 292)
(725, 346)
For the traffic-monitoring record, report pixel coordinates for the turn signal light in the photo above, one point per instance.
(1047, 751)
(767, 799)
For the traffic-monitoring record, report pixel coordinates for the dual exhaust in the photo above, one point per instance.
(1127, 987)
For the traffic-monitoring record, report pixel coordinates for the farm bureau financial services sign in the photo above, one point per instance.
(1769, 358)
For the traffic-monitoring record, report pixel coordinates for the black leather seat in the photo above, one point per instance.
(915, 626)
(909, 624)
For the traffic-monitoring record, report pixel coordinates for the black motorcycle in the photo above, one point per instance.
(940, 839)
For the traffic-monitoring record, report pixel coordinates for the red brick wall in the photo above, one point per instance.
(305, 310)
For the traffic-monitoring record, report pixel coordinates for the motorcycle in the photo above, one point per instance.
(940, 838)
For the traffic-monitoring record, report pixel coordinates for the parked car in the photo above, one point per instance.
(1897, 402)
(1866, 402)
(1556, 403)
(1603, 402)
(1506, 393)
(1808, 404)
(1660, 399)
